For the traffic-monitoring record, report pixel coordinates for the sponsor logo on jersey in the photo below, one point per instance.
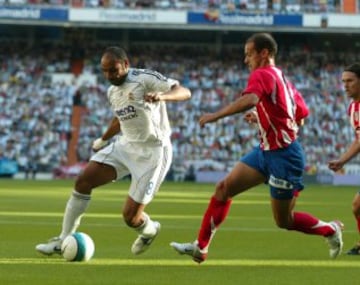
(127, 113)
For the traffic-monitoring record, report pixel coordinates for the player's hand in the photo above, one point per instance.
(300, 122)
(98, 144)
(250, 117)
(335, 165)
(153, 97)
(207, 118)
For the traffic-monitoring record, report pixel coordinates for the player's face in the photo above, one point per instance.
(115, 71)
(253, 59)
(351, 84)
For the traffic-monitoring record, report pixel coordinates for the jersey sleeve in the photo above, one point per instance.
(156, 82)
(259, 83)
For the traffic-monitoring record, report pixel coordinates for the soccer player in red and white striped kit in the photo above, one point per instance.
(278, 160)
(351, 81)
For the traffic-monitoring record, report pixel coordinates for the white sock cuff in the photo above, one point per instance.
(81, 196)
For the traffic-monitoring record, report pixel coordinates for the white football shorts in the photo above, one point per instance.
(147, 165)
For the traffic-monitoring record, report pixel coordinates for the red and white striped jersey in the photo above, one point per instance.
(279, 108)
(354, 114)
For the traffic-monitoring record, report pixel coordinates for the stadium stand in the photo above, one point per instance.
(40, 129)
(51, 77)
(287, 6)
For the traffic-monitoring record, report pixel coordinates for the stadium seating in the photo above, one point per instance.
(41, 126)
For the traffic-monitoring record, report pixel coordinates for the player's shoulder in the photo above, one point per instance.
(355, 105)
(265, 72)
(145, 74)
(111, 89)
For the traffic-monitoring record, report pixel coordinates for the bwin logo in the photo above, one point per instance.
(125, 111)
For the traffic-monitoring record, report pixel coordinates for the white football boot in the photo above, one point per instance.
(191, 249)
(335, 241)
(53, 246)
(142, 243)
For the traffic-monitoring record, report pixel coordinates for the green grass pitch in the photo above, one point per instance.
(247, 249)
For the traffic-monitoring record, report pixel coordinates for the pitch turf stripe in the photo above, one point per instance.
(114, 216)
(170, 197)
(90, 215)
(180, 262)
(87, 215)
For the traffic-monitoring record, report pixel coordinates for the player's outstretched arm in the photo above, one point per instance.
(176, 93)
(351, 152)
(242, 104)
(251, 117)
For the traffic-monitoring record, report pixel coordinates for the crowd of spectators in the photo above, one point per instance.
(289, 6)
(35, 117)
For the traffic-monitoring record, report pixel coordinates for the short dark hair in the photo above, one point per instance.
(354, 68)
(116, 52)
(264, 41)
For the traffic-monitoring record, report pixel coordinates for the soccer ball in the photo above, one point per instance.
(78, 247)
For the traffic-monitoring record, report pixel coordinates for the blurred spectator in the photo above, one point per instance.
(31, 168)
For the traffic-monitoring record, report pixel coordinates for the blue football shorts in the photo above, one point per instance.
(282, 167)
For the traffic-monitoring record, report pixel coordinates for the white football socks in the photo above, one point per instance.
(74, 210)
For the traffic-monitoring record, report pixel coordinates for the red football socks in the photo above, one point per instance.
(213, 217)
(304, 222)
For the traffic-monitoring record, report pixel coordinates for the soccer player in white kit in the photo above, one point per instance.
(142, 148)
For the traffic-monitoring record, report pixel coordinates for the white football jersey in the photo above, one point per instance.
(141, 121)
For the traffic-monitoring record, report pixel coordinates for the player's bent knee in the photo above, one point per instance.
(221, 191)
(83, 185)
